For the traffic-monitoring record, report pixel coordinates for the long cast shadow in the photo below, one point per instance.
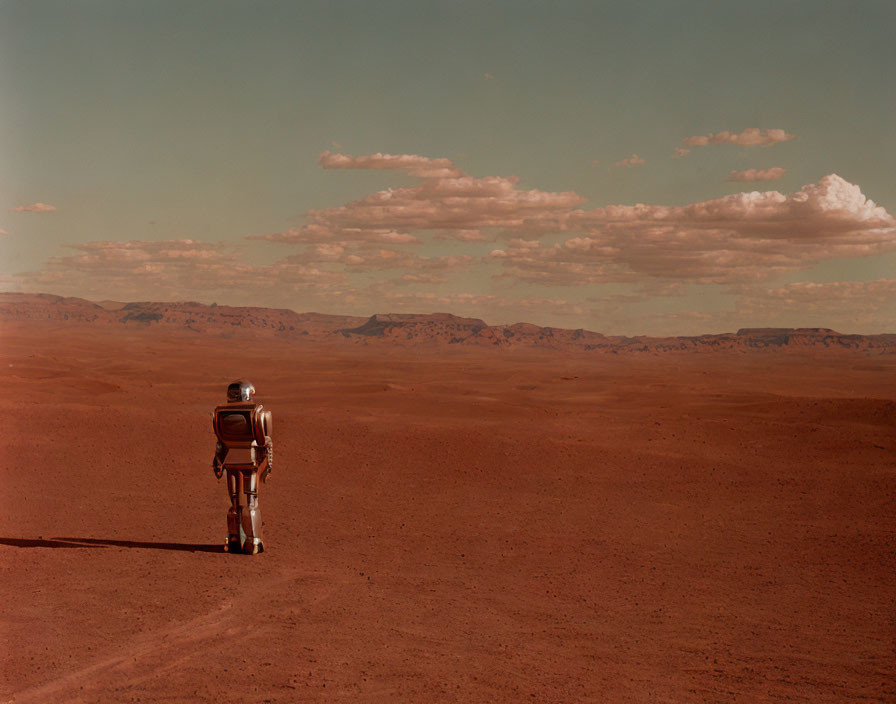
(102, 543)
(41, 543)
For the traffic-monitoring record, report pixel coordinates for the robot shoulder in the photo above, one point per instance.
(267, 422)
(259, 423)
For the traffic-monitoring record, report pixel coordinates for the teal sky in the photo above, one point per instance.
(153, 121)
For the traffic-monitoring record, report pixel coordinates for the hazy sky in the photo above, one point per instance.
(627, 167)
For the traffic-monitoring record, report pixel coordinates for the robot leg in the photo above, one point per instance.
(251, 515)
(234, 515)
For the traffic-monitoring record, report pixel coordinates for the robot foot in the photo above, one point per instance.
(255, 547)
(233, 544)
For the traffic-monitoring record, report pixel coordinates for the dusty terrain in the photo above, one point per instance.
(447, 524)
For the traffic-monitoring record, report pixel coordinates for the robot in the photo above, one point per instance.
(244, 444)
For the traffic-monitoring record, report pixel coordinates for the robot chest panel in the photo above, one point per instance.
(236, 424)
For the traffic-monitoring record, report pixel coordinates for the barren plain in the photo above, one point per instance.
(447, 523)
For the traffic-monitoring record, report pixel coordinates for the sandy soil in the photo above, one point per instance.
(464, 526)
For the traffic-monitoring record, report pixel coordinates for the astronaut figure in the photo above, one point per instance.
(244, 444)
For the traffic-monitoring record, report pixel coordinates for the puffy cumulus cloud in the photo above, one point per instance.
(680, 152)
(385, 259)
(357, 260)
(368, 234)
(551, 240)
(139, 257)
(750, 137)
(577, 261)
(772, 174)
(317, 233)
(633, 160)
(741, 237)
(420, 166)
(446, 200)
(447, 204)
(34, 208)
(169, 269)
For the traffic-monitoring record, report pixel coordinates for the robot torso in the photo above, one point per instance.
(241, 428)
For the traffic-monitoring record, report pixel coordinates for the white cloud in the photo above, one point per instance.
(772, 174)
(421, 166)
(750, 137)
(741, 237)
(547, 238)
(34, 208)
(633, 160)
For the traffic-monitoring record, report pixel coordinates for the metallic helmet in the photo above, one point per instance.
(240, 391)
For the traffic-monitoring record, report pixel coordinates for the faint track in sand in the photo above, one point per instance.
(148, 655)
(165, 649)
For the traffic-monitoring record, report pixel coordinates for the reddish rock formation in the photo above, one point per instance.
(415, 329)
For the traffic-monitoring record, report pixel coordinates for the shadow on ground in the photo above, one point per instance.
(101, 543)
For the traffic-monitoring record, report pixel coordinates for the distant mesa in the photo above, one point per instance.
(187, 317)
(782, 331)
(442, 327)
(446, 328)
(111, 305)
(142, 317)
(406, 329)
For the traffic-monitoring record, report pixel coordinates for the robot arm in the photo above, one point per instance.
(220, 454)
(267, 422)
(269, 456)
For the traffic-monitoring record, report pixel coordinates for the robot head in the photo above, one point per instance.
(240, 391)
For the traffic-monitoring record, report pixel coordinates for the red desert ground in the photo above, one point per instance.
(458, 512)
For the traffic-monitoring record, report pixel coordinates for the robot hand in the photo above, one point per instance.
(220, 454)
